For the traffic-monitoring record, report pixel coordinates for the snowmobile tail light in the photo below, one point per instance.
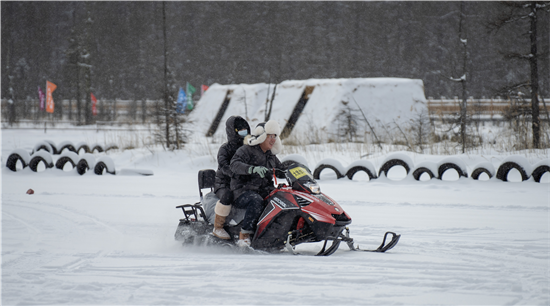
(313, 187)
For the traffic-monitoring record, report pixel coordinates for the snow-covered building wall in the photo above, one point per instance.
(315, 108)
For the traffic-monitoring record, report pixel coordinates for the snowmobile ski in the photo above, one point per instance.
(381, 249)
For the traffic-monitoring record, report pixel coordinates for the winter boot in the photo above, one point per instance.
(222, 211)
(244, 240)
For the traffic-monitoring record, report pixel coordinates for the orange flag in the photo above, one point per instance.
(50, 87)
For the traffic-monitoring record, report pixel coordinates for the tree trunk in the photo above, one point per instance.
(88, 67)
(165, 85)
(463, 108)
(534, 77)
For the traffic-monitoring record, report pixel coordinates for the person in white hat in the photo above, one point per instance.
(252, 165)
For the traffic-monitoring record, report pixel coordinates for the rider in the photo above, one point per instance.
(253, 181)
(237, 130)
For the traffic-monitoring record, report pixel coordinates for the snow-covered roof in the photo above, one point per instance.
(382, 100)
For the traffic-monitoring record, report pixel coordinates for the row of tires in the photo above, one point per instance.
(432, 169)
(82, 163)
(52, 148)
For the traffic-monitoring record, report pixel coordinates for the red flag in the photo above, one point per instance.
(50, 87)
(94, 102)
(203, 89)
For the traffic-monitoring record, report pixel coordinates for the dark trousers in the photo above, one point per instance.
(254, 205)
(225, 195)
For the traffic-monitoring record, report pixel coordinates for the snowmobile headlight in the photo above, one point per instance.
(313, 187)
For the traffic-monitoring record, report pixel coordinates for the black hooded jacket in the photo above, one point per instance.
(227, 150)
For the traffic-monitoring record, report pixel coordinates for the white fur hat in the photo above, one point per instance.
(259, 135)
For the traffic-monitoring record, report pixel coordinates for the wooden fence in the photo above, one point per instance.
(483, 109)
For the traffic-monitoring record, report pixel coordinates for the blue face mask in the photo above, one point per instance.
(243, 133)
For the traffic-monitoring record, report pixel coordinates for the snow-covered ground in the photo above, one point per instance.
(109, 240)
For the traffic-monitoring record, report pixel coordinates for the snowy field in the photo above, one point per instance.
(109, 240)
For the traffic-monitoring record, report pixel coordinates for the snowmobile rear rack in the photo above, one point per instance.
(192, 212)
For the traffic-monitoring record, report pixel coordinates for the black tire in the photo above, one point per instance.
(114, 147)
(85, 147)
(69, 147)
(98, 148)
(82, 166)
(99, 167)
(539, 172)
(351, 172)
(477, 172)
(393, 162)
(446, 166)
(60, 164)
(33, 164)
(322, 167)
(54, 148)
(43, 147)
(504, 169)
(11, 163)
(419, 171)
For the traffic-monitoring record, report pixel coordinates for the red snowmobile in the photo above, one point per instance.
(294, 213)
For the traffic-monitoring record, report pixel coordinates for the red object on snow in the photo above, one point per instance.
(30, 191)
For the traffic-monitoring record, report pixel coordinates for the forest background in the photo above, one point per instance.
(252, 42)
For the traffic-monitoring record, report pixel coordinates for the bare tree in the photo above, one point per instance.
(526, 14)
(461, 119)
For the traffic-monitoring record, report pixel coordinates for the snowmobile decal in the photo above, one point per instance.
(283, 204)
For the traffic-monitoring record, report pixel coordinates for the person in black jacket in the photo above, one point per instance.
(252, 181)
(236, 129)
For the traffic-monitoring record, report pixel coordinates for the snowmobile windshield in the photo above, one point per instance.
(301, 179)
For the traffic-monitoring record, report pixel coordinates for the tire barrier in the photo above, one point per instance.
(504, 169)
(43, 145)
(539, 172)
(40, 156)
(97, 148)
(68, 153)
(66, 157)
(86, 162)
(64, 146)
(82, 145)
(390, 164)
(519, 163)
(484, 167)
(361, 165)
(67, 145)
(104, 163)
(395, 160)
(329, 163)
(430, 168)
(452, 163)
(18, 155)
(54, 148)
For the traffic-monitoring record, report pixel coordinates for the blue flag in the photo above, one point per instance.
(181, 102)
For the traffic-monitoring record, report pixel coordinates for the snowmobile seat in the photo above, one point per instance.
(206, 180)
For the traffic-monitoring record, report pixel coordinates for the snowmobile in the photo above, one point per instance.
(296, 212)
